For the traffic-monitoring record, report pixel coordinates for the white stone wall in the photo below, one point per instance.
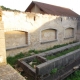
(48, 35)
(2, 42)
(36, 10)
(15, 39)
(69, 32)
(34, 24)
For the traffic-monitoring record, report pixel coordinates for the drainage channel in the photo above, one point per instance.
(61, 75)
(55, 69)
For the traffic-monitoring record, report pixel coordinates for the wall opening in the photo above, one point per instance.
(16, 39)
(48, 35)
(69, 32)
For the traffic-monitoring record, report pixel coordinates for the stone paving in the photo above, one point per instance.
(8, 73)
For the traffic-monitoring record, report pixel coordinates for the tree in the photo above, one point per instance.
(4, 8)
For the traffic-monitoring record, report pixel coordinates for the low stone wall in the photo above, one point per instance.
(57, 63)
(43, 70)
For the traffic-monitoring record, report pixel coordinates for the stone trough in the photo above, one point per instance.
(55, 69)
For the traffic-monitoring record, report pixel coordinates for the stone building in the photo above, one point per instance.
(41, 26)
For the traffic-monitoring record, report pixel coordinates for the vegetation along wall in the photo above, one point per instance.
(27, 31)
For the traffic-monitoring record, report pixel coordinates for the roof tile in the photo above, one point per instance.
(51, 9)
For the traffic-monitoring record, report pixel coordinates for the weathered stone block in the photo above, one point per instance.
(2, 34)
(2, 42)
(1, 25)
(62, 64)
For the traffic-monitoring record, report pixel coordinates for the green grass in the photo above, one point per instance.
(53, 71)
(62, 53)
(74, 76)
(35, 62)
(54, 47)
(12, 60)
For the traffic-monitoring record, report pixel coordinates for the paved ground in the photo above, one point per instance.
(8, 73)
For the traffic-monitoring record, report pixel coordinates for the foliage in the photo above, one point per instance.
(12, 60)
(53, 71)
(54, 47)
(62, 53)
(4, 8)
(74, 76)
(35, 62)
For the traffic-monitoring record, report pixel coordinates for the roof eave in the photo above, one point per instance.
(30, 7)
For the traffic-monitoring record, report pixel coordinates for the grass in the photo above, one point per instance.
(12, 60)
(53, 71)
(74, 76)
(35, 62)
(62, 53)
(54, 47)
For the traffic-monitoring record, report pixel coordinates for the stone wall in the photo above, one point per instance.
(35, 9)
(78, 28)
(2, 42)
(69, 32)
(39, 28)
(15, 39)
(48, 35)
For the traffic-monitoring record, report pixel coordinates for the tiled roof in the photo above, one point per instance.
(51, 9)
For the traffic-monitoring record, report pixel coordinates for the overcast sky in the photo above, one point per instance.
(23, 4)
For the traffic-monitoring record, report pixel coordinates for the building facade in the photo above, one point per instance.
(41, 26)
(28, 31)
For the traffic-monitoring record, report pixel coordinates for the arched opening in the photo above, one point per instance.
(16, 39)
(69, 32)
(48, 35)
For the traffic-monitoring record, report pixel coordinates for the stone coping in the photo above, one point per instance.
(8, 73)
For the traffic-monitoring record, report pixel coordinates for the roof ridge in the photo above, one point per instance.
(52, 9)
(51, 4)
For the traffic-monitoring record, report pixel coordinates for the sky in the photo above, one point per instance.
(23, 4)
